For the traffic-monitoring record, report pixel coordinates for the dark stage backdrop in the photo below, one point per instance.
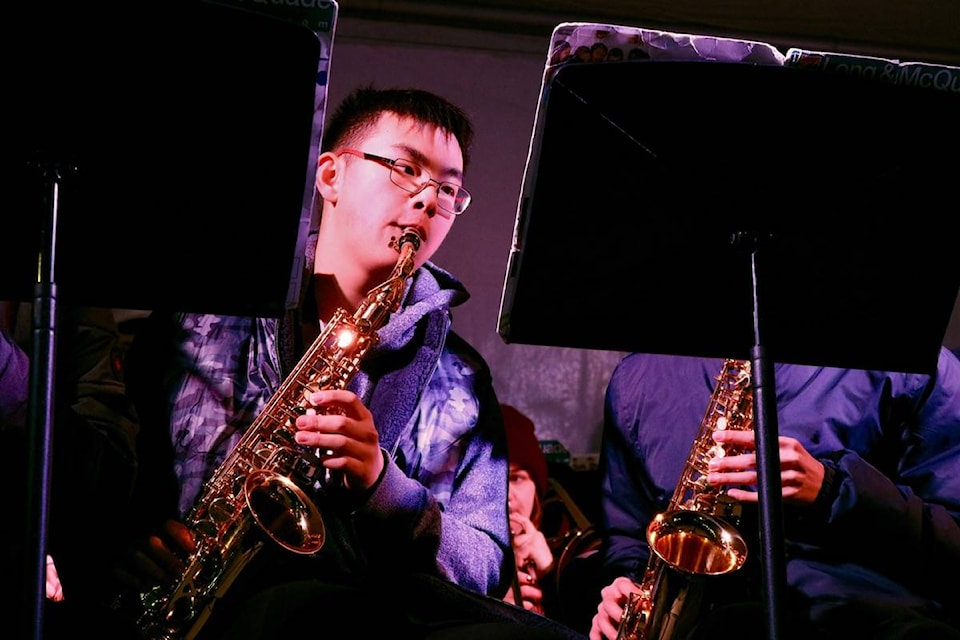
(496, 75)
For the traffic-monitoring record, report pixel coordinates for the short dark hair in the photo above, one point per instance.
(361, 108)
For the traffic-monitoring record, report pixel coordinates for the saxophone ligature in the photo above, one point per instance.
(696, 536)
(260, 492)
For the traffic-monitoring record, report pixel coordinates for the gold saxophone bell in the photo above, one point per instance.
(696, 542)
(284, 512)
(694, 545)
(695, 537)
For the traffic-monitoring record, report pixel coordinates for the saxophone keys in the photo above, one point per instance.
(716, 451)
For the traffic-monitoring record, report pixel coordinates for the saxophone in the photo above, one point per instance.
(261, 487)
(694, 537)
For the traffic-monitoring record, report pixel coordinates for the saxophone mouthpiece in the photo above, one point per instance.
(409, 236)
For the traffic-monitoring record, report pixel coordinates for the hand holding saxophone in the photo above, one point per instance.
(801, 475)
(343, 427)
(613, 600)
(156, 559)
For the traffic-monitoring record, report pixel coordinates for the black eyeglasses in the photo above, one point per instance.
(413, 178)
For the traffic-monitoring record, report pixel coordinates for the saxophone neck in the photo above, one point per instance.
(385, 297)
(407, 246)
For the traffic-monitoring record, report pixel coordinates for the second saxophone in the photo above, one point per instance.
(695, 537)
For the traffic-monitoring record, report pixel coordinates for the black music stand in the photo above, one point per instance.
(165, 163)
(734, 210)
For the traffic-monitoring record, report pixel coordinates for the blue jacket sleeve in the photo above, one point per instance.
(901, 517)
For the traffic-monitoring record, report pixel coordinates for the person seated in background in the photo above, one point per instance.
(553, 540)
(92, 462)
(532, 586)
(870, 479)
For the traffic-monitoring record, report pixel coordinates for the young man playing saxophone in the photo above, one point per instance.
(870, 477)
(412, 449)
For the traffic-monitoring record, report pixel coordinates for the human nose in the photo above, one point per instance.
(429, 197)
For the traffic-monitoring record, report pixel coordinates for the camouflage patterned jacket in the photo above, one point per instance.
(440, 506)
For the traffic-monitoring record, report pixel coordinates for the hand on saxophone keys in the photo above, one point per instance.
(339, 425)
(157, 559)
(615, 599)
(801, 475)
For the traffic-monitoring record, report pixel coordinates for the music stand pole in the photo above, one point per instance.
(766, 431)
(242, 69)
(42, 366)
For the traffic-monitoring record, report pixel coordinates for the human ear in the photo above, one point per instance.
(328, 176)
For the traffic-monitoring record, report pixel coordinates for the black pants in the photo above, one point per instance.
(425, 608)
(748, 621)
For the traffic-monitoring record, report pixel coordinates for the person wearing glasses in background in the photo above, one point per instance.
(416, 531)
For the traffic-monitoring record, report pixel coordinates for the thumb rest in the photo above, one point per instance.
(696, 536)
(261, 487)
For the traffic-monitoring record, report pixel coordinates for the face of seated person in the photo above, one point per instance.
(522, 492)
